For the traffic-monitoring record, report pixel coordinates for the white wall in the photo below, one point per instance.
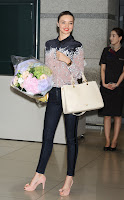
(22, 119)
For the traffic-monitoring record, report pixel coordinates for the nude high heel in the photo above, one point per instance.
(65, 191)
(29, 187)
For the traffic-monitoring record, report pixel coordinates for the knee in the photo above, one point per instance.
(47, 136)
(107, 118)
(117, 118)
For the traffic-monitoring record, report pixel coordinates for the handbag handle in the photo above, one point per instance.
(73, 82)
(78, 115)
(83, 79)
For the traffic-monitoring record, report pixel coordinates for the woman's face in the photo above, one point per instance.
(65, 24)
(114, 38)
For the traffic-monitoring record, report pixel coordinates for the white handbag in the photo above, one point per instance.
(81, 97)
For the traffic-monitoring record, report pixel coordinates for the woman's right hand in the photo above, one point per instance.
(108, 86)
(62, 57)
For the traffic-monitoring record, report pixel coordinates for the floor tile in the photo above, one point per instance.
(13, 143)
(16, 168)
(99, 175)
(24, 154)
(5, 150)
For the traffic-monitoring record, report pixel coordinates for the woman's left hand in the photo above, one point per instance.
(61, 57)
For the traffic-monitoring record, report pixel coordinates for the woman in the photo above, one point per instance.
(112, 86)
(65, 57)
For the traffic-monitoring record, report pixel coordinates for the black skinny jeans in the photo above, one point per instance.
(52, 116)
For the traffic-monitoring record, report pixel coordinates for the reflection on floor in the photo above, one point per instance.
(99, 175)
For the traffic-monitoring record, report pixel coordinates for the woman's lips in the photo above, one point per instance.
(66, 29)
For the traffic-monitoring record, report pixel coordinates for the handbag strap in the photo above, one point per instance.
(73, 83)
(78, 115)
(72, 78)
(83, 79)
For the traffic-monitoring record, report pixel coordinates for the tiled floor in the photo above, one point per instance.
(99, 174)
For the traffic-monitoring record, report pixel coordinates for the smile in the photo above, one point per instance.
(66, 29)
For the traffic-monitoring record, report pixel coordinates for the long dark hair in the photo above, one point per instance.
(119, 32)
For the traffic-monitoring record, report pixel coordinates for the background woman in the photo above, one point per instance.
(65, 57)
(112, 86)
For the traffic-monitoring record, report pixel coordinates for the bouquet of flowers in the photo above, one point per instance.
(31, 77)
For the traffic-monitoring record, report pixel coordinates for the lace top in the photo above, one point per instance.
(62, 73)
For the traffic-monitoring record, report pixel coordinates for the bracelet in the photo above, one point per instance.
(69, 63)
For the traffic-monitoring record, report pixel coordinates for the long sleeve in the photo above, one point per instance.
(78, 63)
(50, 60)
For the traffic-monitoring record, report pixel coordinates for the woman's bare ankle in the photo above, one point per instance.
(113, 143)
(69, 177)
(39, 174)
(68, 181)
(107, 143)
